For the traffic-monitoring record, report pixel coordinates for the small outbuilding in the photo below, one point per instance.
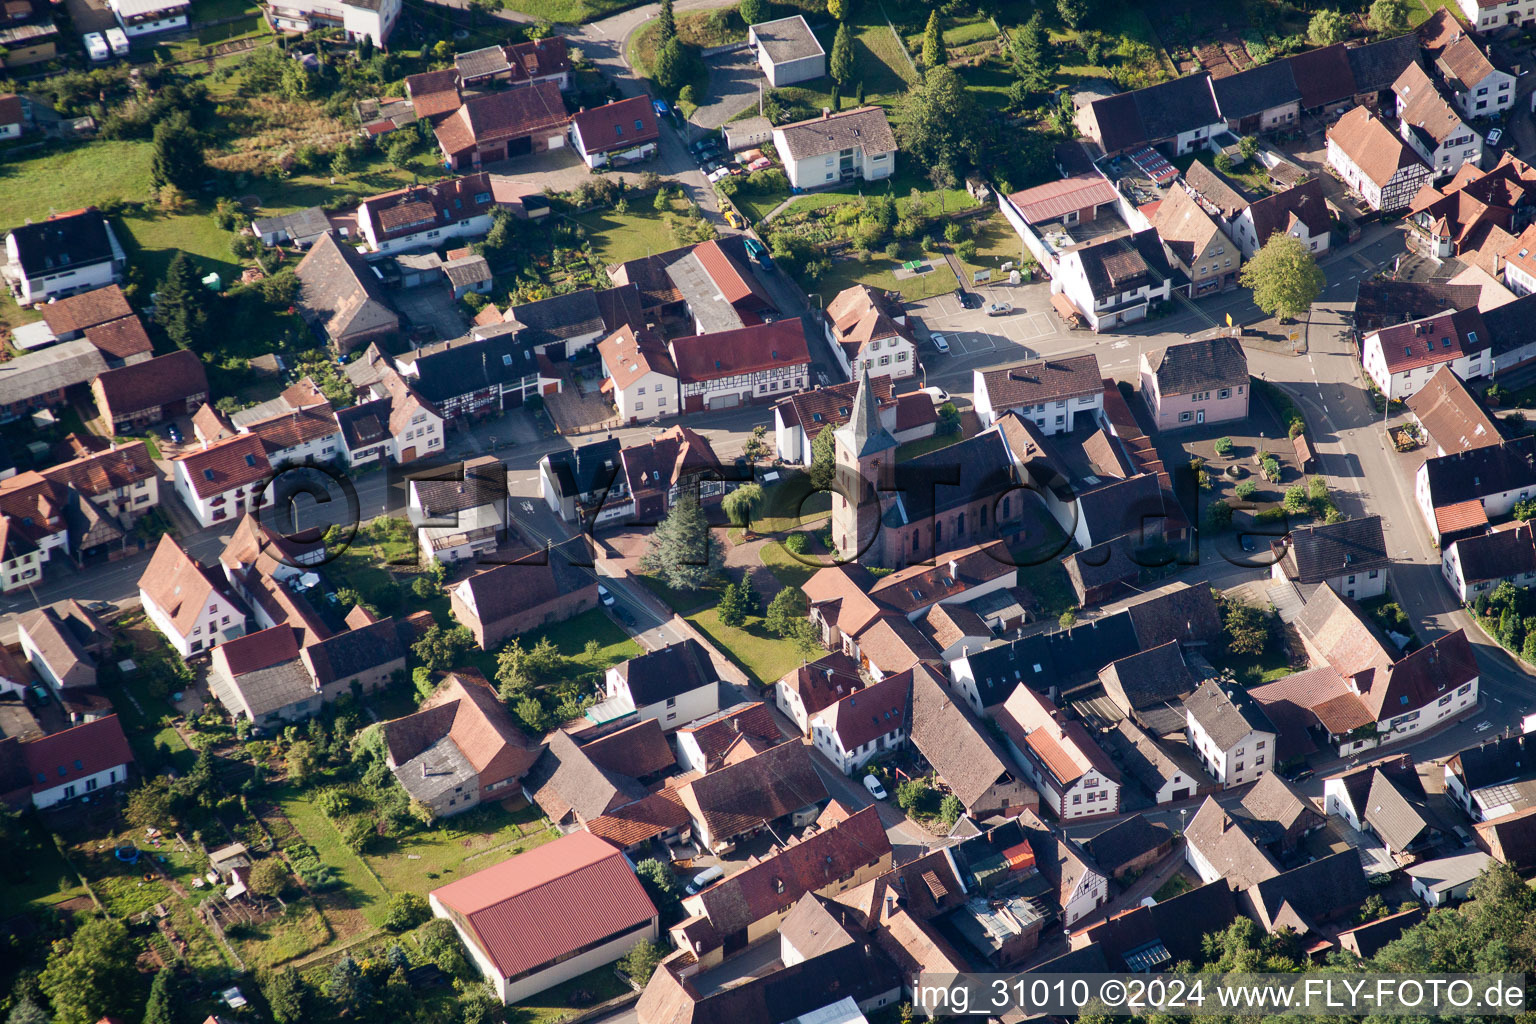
(788, 51)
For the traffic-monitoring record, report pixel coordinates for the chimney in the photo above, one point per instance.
(954, 568)
(826, 113)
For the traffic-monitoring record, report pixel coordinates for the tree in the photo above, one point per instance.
(1328, 27)
(912, 793)
(738, 504)
(1073, 12)
(949, 419)
(659, 882)
(640, 962)
(176, 154)
(682, 553)
(1246, 627)
(406, 911)
(440, 649)
(1285, 279)
(787, 608)
(841, 64)
(824, 461)
(751, 11)
(1248, 145)
(149, 806)
(347, 986)
(858, 96)
(733, 604)
(942, 123)
(677, 65)
(1033, 61)
(400, 152)
(91, 974)
(181, 304)
(341, 164)
(302, 760)
(666, 24)
(838, 9)
(1296, 498)
(950, 809)
(288, 994)
(934, 54)
(26, 1011)
(269, 877)
(1389, 17)
(365, 49)
(160, 1008)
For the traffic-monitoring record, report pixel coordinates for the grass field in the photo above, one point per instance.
(38, 875)
(617, 237)
(573, 12)
(571, 637)
(362, 892)
(566, 999)
(996, 243)
(787, 567)
(703, 29)
(457, 846)
(763, 656)
(880, 272)
(67, 179)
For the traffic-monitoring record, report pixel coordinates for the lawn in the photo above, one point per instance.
(996, 243)
(573, 12)
(39, 875)
(880, 272)
(1173, 887)
(571, 637)
(761, 655)
(361, 889)
(457, 846)
(216, 10)
(1255, 669)
(617, 237)
(680, 601)
(704, 29)
(68, 178)
(787, 567)
(567, 999)
(151, 239)
(922, 446)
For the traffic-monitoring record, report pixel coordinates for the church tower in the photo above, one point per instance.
(865, 479)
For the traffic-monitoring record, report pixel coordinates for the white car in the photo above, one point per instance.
(718, 173)
(940, 344)
(605, 595)
(875, 789)
(1495, 136)
(939, 395)
(1000, 309)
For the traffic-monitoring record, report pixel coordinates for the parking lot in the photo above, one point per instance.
(1027, 330)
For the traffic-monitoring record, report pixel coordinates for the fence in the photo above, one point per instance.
(900, 42)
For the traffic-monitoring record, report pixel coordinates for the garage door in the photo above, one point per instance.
(1134, 313)
(1180, 794)
(520, 147)
(730, 401)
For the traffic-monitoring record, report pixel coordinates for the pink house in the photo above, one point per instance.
(1196, 382)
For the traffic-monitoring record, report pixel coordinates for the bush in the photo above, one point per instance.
(1246, 489)
(1223, 446)
(796, 543)
(966, 250)
(269, 877)
(406, 911)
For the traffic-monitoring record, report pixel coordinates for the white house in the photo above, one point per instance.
(13, 116)
(1519, 270)
(1477, 564)
(621, 132)
(1402, 358)
(1052, 393)
(1464, 490)
(1376, 165)
(77, 762)
(1487, 15)
(865, 328)
(1113, 280)
(186, 602)
(308, 435)
(1076, 779)
(427, 216)
(834, 148)
(1447, 880)
(146, 17)
(396, 425)
(75, 252)
(864, 724)
(1478, 88)
(1350, 556)
(1230, 733)
(726, 369)
(787, 51)
(1431, 125)
(221, 482)
(464, 518)
(642, 380)
(674, 685)
(1300, 211)
(373, 19)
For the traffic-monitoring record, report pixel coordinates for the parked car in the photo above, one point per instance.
(939, 395)
(734, 219)
(174, 433)
(967, 300)
(1248, 542)
(661, 108)
(39, 693)
(759, 252)
(1496, 136)
(606, 596)
(709, 165)
(700, 145)
(623, 616)
(940, 344)
(875, 789)
(1000, 309)
(1302, 776)
(704, 879)
(718, 173)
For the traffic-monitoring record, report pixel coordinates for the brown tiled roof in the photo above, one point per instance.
(1452, 416)
(917, 586)
(1226, 846)
(637, 750)
(120, 466)
(715, 734)
(619, 124)
(416, 208)
(88, 309)
(636, 822)
(565, 781)
(822, 407)
(1423, 676)
(893, 644)
(539, 58)
(261, 649)
(667, 459)
(957, 746)
(289, 430)
(1064, 747)
(1319, 552)
(1200, 365)
(177, 583)
(154, 382)
(1423, 107)
(498, 116)
(1323, 75)
(339, 291)
(231, 463)
(1344, 636)
(629, 355)
(120, 339)
(950, 623)
(434, 93)
(847, 585)
(872, 712)
(743, 351)
(1045, 380)
(77, 753)
(1464, 64)
(465, 710)
(740, 797)
(1371, 146)
(1182, 612)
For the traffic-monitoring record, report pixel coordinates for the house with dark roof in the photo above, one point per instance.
(1181, 112)
(800, 417)
(1202, 381)
(64, 254)
(1073, 882)
(834, 147)
(1222, 844)
(1265, 98)
(659, 471)
(1130, 845)
(563, 326)
(1229, 732)
(1115, 280)
(486, 372)
(1403, 358)
(705, 743)
(1366, 940)
(362, 659)
(1451, 415)
(1073, 775)
(749, 793)
(1151, 938)
(1300, 211)
(1346, 794)
(1460, 492)
(1051, 393)
(1494, 778)
(503, 125)
(549, 915)
(578, 483)
(536, 589)
(1305, 898)
(675, 685)
(1045, 662)
(1149, 687)
(1169, 773)
(260, 677)
(1510, 838)
(618, 133)
(757, 363)
(869, 721)
(460, 748)
(341, 298)
(571, 787)
(970, 763)
(397, 424)
(460, 513)
(151, 391)
(427, 216)
(1350, 556)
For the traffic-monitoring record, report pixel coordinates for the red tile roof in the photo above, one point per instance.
(120, 339)
(623, 124)
(1054, 198)
(120, 466)
(743, 351)
(734, 286)
(224, 466)
(539, 58)
(259, 650)
(416, 208)
(634, 823)
(549, 902)
(1463, 515)
(87, 309)
(1436, 339)
(76, 754)
(872, 712)
(499, 116)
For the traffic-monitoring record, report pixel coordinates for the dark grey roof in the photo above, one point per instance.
(1202, 365)
(73, 240)
(1181, 105)
(1150, 678)
(1377, 65)
(1187, 613)
(589, 467)
(340, 291)
(1256, 90)
(1132, 506)
(559, 317)
(1478, 472)
(864, 433)
(471, 365)
(1126, 840)
(669, 672)
(1101, 565)
(1512, 325)
(301, 226)
(1333, 549)
(1227, 714)
(1124, 263)
(788, 39)
(1061, 659)
(1506, 759)
(355, 651)
(1381, 304)
(1119, 120)
(1369, 938)
(950, 477)
(1398, 820)
(1325, 887)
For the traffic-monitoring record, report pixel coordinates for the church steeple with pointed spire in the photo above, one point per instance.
(864, 434)
(864, 481)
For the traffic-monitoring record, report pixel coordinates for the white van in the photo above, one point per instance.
(117, 39)
(96, 47)
(704, 879)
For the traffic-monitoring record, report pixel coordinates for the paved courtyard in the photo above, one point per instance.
(734, 83)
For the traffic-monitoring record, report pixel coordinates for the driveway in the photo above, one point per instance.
(432, 307)
(735, 83)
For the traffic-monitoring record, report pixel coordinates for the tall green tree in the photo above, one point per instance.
(440, 649)
(682, 553)
(824, 461)
(91, 974)
(738, 504)
(751, 11)
(841, 64)
(838, 9)
(1389, 17)
(942, 123)
(676, 66)
(26, 1011)
(1327, 27)
(934, 53)
(176, 154)
(1074, 13)
(347, 986)
(1034, 62)
(787, 608)
(161, 1006)
(666, 24)
(732, 607)
(181, 304)
(1285, 278)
